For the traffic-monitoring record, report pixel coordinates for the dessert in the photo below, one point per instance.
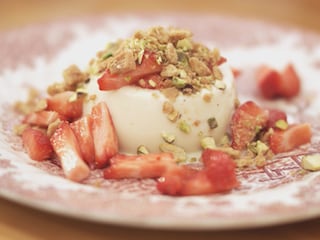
(150, 105)
(182, 89)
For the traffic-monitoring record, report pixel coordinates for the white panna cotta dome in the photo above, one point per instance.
(139, 118)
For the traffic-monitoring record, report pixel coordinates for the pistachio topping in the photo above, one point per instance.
(186, 65)
(168, 137)
(212, 122)
(142, 150)
(208, 142)
(281, 124)
(178, 152)
(184, 126)
(311, 162)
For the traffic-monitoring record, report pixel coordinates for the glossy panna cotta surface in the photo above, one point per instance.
(161, 86)
(140, 119)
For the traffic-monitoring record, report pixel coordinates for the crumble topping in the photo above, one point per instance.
(187, 65)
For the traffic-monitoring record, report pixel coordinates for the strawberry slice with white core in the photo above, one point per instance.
(66, 146)
(82, 130)
(42, 118)
(104, 135)
(65, 105)
(37, 144)
(294, 136)
(139, 166)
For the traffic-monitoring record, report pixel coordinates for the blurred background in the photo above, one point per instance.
(18, 13)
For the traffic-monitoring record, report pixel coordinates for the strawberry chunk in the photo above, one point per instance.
(290, 84)
(65, 105)
(218, 175)
(246, 122)
(147, 67)
(291, 138)
(273, 84)
(37, 144)
(42, 118)
(220, 169)
(274, 116)
(66, 146)
(104, 135)
(269, 81)
(82, 130)
(151, 165)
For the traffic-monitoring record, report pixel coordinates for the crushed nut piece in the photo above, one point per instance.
(208, 142)
(184, 126)
(212, 122)
(311, 162)
(178, 152)
(168, 137)
(199, 67)
(142, 150)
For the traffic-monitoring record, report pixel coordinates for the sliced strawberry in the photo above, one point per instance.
(104, 135)
(220, 169)
(290, 84)
(65, 105)
(269, 81)
(218, 175)
(274, 116)
(173, 182)
(82, 130)
(246, 122)
(37, 144)
(236, 72)
(68, 151)
(151, 165)
(291, 138)
(273, 84)
(148, 66)
(42, 118)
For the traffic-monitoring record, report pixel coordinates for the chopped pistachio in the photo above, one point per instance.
(106, 56)
(127, 78)
(184, 126)
(152, 83)
(168, 137)
(173, 116)
(177, 151)
(311, 162)
(142, 150)
(185, 44)
(140, 56)
(281, 124)
(208, 142)
(260, 160)
(258, 147)
(220, 85)
(225, 141)
(18, 129)
(212, 122)
(179, 82)
(81, 91)
(41, 105)
(183, 58)
(73, 97)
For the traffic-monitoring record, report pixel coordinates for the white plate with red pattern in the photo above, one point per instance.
(280, 192)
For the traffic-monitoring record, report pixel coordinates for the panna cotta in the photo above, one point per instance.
(161, 86)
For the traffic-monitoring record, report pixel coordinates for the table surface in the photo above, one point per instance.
(20, 222)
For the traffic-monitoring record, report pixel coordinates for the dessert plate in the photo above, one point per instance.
(280, 192)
